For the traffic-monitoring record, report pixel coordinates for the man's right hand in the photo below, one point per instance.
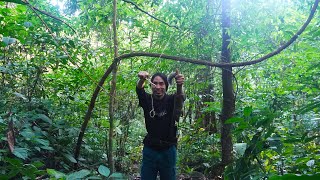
(143, 75)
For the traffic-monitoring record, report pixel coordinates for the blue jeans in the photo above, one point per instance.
(163, 162)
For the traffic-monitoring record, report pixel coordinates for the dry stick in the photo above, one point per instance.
(137, 7)
(126, 56)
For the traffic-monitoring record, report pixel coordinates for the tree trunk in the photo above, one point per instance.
(113, 89)
(209, 118)
(228, 105)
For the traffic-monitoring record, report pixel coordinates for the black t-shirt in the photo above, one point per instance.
(161, 128)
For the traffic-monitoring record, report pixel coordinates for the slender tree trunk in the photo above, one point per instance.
(209, 118)
(113, 88)
(228, 106)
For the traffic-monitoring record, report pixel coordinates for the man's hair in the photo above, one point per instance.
(163, 77)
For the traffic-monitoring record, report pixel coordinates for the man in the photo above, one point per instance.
(160, 111)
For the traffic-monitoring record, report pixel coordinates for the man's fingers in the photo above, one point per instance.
(179, 79)
(179, 76)
(143, 75)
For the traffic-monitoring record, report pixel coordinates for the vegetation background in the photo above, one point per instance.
(68, 69)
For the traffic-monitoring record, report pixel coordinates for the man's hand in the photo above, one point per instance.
(179, 78)
(143, 75)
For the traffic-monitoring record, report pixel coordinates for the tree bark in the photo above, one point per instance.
(113, 89)
(228, 103)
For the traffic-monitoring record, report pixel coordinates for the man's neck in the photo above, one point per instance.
(158, 97)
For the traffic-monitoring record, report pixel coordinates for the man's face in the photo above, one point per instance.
(159, 89)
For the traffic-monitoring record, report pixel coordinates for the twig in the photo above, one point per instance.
(47, 14)
(137, 7)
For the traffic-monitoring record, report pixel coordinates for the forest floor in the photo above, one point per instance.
(194, 176)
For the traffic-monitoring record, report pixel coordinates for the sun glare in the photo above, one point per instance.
(58, 3)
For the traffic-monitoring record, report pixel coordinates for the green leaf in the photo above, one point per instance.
(118, 130)
(28, 134)
(93, 177)
(240, 148)
(233, 120)
(3, 69)
(118, 176)
(308, 139)
(43, 142)
(38, 164)
(72, 43)
(79, 174)
(247, 111)
(8, 40)
(212, 106)
(70, 158)
(14, 162)
(29, 171)
(295, 177)
(43, 117)
(47, 148)
(103, 170)
(309, 107)
(56, 174)
(21, 153)
(20, 95)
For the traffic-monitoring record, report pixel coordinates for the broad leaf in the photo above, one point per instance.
(103, 170)
(79, 174)
(240, 148)
(70, 158)
(20, 95)
(247, 111)
(56, 174)
(43, 117)
(118, 176)
(234, 120)
(21, 153)
(8, 40)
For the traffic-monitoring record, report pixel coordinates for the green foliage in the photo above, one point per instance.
(16, 168)
(295, 177)
(104, 171)
(15, 1)
(46, 85)
(198, 150)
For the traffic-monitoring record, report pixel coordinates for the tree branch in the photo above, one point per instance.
(137, 7)
(47, 14)
(239, 64)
